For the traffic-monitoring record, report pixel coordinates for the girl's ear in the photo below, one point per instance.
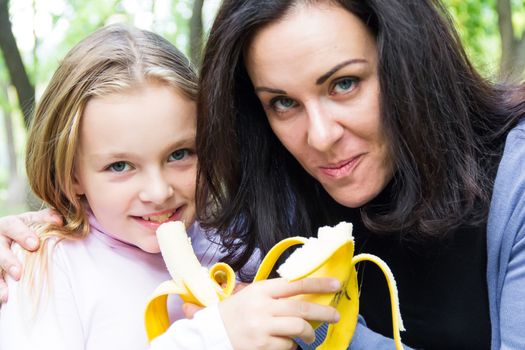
(77, 184)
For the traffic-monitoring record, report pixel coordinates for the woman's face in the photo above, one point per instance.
(315, 73)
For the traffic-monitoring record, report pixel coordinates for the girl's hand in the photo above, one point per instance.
(16, 228)
(261, 315)
(189, 309)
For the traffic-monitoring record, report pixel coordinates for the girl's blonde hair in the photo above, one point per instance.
(111, 60)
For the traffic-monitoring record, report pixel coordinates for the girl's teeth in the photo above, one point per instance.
(158, 218)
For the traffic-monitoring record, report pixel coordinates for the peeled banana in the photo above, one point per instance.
(329, 255)
(190, 280)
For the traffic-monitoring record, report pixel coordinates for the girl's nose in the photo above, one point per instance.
(156, 189)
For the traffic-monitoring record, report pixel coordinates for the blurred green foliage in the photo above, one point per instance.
(477, 24)
(67, 21)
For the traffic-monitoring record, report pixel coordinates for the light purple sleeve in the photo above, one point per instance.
(506, 246)
(364, 338)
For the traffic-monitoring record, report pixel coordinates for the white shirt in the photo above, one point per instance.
(99, 289)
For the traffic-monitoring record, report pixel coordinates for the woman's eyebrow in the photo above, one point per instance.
(270, 90)
(327, 75)
(319, 81)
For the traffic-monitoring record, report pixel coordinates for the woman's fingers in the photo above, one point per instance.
(9, 263)
(49, 216)
(3, 289)
(16, 228)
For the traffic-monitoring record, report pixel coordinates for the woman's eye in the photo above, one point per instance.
(178, 155)
(119, 167)
(344, 85)
(282, 104)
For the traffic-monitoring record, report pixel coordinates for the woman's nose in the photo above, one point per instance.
(323, 128)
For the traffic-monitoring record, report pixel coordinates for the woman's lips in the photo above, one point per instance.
(341, 169)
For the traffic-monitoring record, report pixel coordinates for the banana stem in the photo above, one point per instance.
(397, 321)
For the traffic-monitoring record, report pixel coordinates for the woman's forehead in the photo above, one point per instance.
(320, 36)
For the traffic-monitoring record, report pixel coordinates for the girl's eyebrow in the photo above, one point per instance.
(185, 140)
(116, 155)
(327, 75)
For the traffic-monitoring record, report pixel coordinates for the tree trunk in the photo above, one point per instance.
(196, 32)
(519, 58)
(16, 188)
(15, 65)
(512, 62)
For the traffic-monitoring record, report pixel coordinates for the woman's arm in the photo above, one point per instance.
(506, 246)
(16, 228)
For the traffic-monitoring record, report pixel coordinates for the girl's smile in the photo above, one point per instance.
(154, 220)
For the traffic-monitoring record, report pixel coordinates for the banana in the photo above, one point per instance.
(331, 254)
(189, 279)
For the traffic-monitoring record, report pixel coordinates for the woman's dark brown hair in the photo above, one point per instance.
(445, 124)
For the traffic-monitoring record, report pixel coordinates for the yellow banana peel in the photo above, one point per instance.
(329, 255)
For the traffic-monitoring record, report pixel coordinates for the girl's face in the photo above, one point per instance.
(315, 73)
(136, 162)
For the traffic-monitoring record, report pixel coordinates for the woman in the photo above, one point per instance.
(313, 112)
(367, 111)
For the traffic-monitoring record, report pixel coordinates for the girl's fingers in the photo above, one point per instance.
(276, 343)
(239, 286)
(292, 327)
(189, 309)
(280, 288)
(304, 310)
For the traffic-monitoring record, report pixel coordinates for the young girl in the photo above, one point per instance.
(112, 149)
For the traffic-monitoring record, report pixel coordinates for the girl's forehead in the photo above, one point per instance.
(147, 119)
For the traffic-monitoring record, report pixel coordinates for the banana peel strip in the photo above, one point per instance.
(397, 321)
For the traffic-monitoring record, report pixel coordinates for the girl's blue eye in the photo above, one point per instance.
(179, 155)
(282, 104)
(344, 85)
(119, 167)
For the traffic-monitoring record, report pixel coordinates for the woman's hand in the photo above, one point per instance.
(262, 316)
(16, 228)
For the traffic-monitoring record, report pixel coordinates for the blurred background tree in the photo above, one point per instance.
(36, 34)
